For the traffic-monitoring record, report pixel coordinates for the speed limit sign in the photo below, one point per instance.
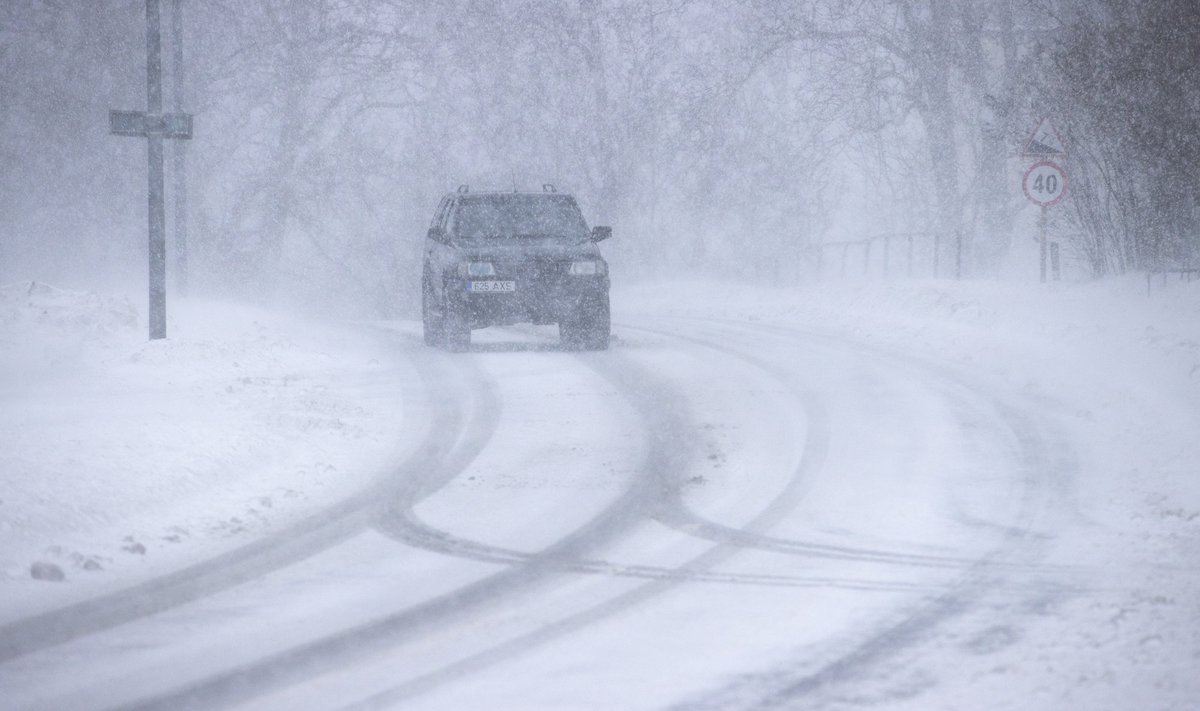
(1045, 183)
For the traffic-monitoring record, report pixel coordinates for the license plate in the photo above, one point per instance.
(481, 287)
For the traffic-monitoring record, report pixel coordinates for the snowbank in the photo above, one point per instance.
(119, 456)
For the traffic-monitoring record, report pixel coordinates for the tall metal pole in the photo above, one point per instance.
(179, 157)
(158, 247)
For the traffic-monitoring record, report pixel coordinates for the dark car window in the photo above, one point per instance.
(517, 215)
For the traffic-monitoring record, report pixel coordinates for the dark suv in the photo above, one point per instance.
(501, 258)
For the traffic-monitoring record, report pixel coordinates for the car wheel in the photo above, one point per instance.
(588, 330)
(431, 321)
(455, 330)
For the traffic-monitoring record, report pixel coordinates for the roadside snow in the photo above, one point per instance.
(1117, 370)
(119, 456)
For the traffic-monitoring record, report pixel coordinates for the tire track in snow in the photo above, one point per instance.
(1045, 474)
(306, 537)
(652, 499)
(663, 407)
(669, 450)
(406, 527)
(680, 517)
(947, 598)
(416, 533)
(665, 411)
(401, 523)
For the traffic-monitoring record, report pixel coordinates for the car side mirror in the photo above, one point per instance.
(600, 233)
(437, 234)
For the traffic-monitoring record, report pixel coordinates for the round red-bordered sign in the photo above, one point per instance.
(1045, 183)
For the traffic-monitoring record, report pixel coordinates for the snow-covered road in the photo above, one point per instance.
(809, 506)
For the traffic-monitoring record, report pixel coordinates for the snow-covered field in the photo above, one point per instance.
(123, 461)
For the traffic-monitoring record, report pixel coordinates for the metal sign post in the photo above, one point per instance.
(1042, 245)
(154, 126)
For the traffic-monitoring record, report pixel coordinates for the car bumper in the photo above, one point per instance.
(529, 301)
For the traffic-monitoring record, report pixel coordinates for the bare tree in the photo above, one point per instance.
(1126, 78)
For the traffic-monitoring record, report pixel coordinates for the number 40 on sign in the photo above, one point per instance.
(1045, 183)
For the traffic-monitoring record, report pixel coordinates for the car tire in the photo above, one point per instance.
(455, 330)
(589, 330)
(431, 321)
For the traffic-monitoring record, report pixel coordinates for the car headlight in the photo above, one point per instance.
(477, 269)
(587, 268)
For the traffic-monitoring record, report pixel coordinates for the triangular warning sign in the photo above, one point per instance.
(1045, 142)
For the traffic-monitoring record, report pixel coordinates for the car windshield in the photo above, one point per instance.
(522, 216)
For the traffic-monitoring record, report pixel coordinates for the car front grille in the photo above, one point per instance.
(533, 273)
